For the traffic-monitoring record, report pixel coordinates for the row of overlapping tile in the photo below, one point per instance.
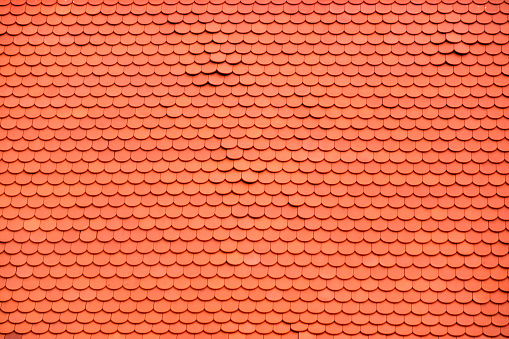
(381, 173)
(237, 11)
(199, 169)
(472, 58)
(458, 274)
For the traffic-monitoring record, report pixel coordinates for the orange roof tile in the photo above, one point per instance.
(192, 169)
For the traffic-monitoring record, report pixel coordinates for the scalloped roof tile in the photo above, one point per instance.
(251, 168)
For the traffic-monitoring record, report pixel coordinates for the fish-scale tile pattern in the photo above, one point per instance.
(255, 168)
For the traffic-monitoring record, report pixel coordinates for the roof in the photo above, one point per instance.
(203, 168)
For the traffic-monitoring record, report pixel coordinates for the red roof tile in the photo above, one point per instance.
(264, 169)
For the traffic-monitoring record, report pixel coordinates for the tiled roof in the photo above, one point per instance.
(254, 168)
